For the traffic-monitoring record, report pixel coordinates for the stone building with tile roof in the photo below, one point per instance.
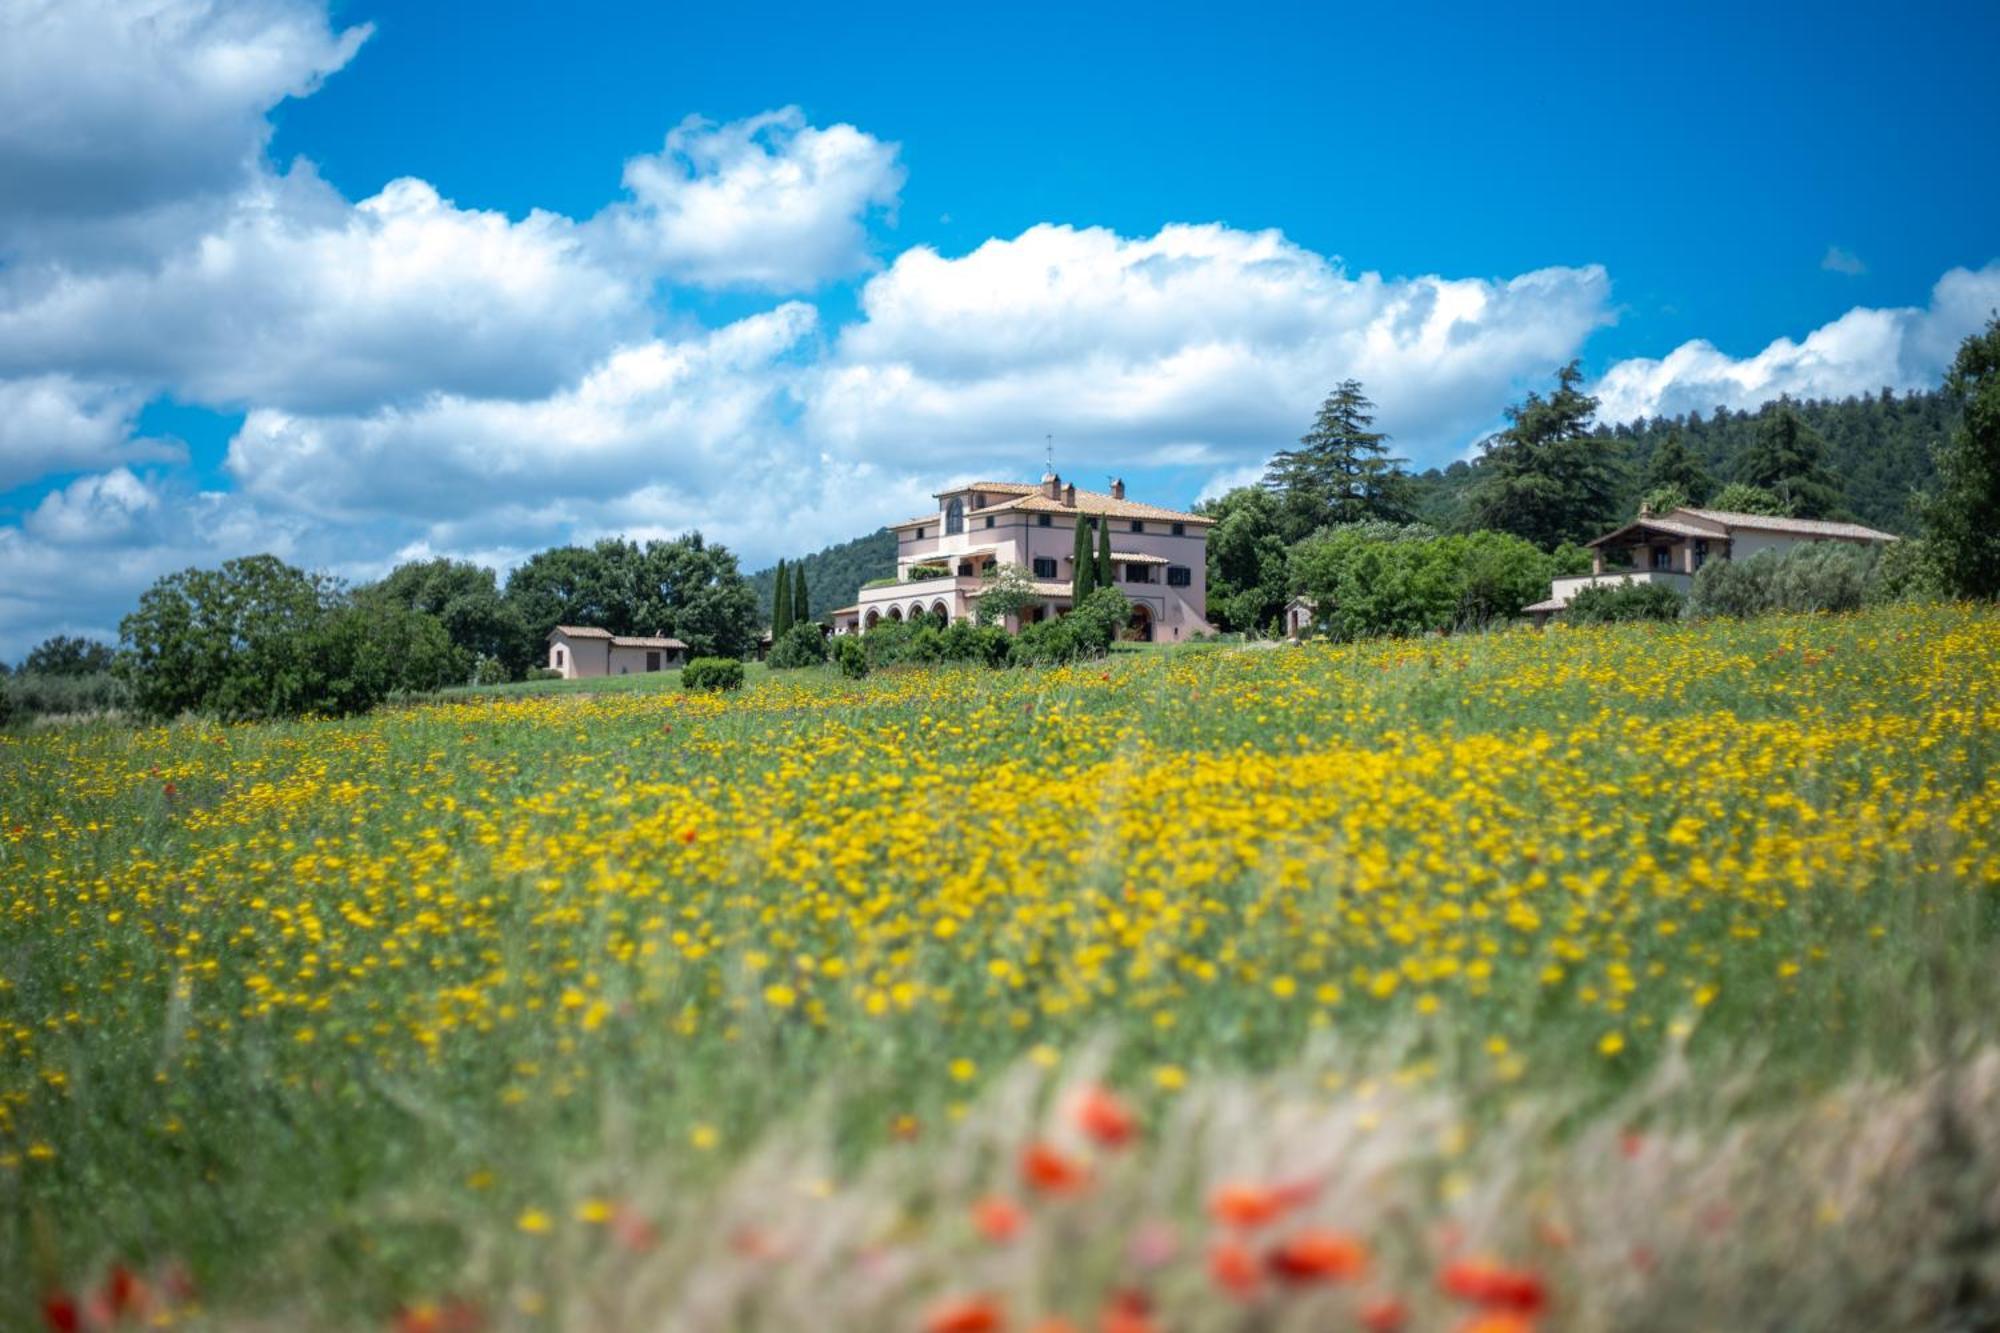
(1669, 548)
(944, 559)
(585, 650)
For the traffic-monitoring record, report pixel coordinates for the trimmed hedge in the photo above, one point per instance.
(712, 673)
(1611, 604)
(851, 657)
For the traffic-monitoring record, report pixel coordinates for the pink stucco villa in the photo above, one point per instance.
(584, 650)
(943, 559)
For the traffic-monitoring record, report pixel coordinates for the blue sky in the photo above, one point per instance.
(379, 281)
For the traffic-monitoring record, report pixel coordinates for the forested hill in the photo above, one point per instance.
(1878, 445)
(834, 576)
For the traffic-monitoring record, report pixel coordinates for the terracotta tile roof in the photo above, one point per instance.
(1138, 558)
(1030, 499)
(1550, 605)
(581, 632)
(644, 641)
(1803, 527)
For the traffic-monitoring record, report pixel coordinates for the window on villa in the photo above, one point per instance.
(1180, 529)
(989, 520)
(1179, 576)
(1663, 557)
(1137, 526)
(1700, 554)
(1043, 520)
(1045, 568)
(954, 517)
(1138, 573)
(979, 502)
(920, 534)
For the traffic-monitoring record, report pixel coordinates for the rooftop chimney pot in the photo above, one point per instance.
(1069, 495)
(1051, 485)
(1118, 488)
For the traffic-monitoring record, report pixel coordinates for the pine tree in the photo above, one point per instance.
(1083, 569)
(1963, 520)
(781, 604)
(1787, 458)
(1547, 479)
(1674, 466)
(801, 605)
(1103, 579)
(1341, 472)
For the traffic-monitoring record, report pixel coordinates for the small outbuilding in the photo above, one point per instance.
(576, 651)
(1300, 613)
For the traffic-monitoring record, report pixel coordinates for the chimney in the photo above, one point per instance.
(1069, 495)
(1118, 488)
(1051, 484)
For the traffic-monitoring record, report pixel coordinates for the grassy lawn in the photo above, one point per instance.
(600, 1004)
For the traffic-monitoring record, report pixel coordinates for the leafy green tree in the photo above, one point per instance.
(1674, 467)
(1962, 521)
(234, 641)
(1619, 603)
(1787, 459)
(803, 645)
(1247, 559)
(565, 585)
(801, 603)
(836, 573)
(68, 655)
(1664, 500)
(1546, 478)
(695, 592)
(1083, 565)
(781, 605)
(466, 599)
(1103, 578)
(1341, 472)
(1740, 497)
(6, 702)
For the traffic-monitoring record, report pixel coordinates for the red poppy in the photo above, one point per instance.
(1631, 1143)
(1315, 1254)
(1384, 1314)
(968, 1314)
(632, 1230)
(124, 1293)
(998, 1218)
(1052, 1172)
(1104, 1117)
(59, 1312)
(1498, 1321)
(451, 1317)
(1484, 1282)
(1234, 1268)
(1128, 1311)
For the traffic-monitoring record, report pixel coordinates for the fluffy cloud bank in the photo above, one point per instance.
(1864, 350)
(1198, 344)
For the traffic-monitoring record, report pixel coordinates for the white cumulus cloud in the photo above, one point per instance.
(55, 423)
(110, 106)
(1196, 345)
(768, 202)
(1903, 347)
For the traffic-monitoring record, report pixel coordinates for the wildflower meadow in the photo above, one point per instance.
(1589, 979)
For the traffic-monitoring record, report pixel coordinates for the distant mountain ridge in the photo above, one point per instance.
(834, 575)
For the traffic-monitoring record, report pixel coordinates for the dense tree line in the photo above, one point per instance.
(834, 575)
(1877, 452)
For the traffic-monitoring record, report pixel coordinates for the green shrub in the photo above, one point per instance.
(982, 644)
(888, 643)
(803, 645)
(927, 572)
(1907, 571)
(38, 695)
(851, 656)
(1087, 631)
(1368, 581)
(489, 671)
(1821, 576)
(1614, 603)
(712, 673)
(541, 673)
(6, 703)
(1740, 497)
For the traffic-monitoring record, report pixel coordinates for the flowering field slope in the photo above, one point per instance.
(503, 1001)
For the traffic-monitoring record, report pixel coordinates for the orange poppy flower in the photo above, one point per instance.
(1241, 1205)
(1234, 1268)
(1104, 1117)
(632, 1231)
(969, 1314)
(1485, 1282)
(59, 1312)
(1052, 1172)
(1384, 1314)
(1055, 1323)
(998, 1218)
(1316, 1254)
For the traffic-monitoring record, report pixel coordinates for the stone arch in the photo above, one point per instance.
(872, 619)
(942, 611)
(1139, 625)
(896, 614)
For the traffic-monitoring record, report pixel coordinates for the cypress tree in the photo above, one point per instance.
(781, 604)
(801, 607)
(1103, 579)
(1083, 571)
